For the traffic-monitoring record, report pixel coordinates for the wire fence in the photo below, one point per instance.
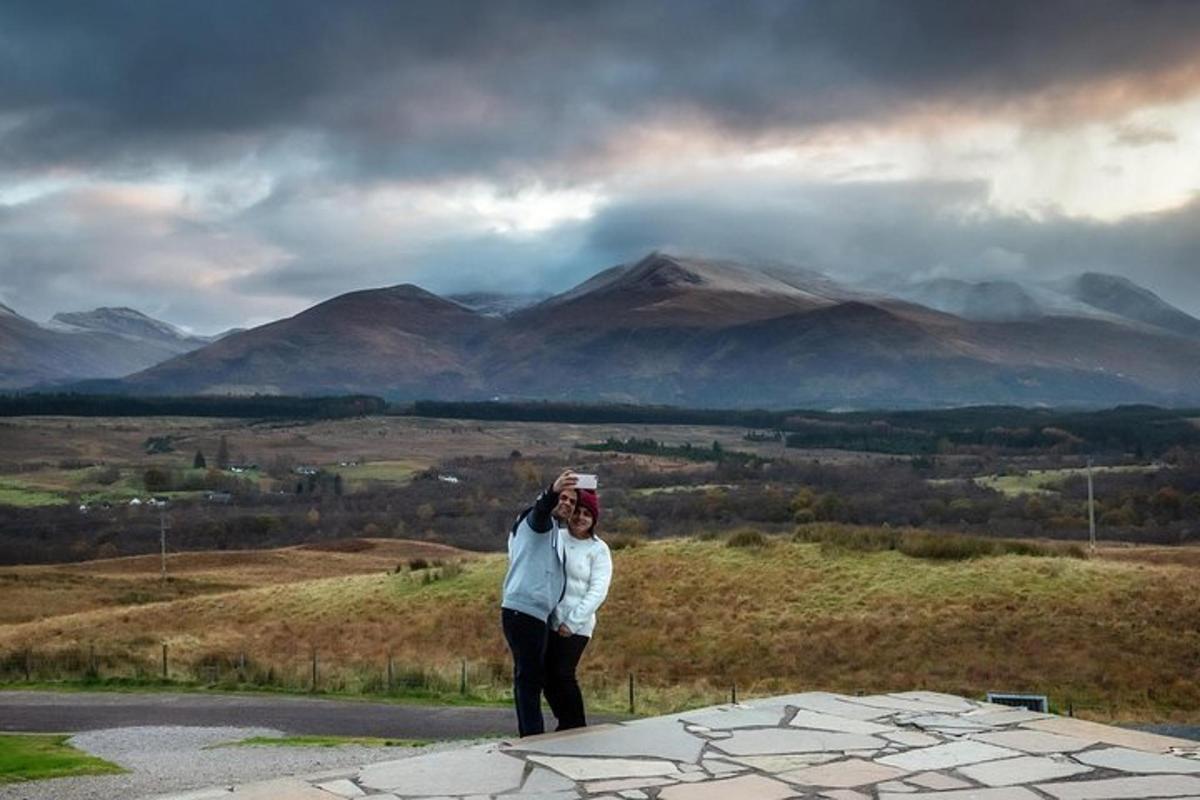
(326, 673)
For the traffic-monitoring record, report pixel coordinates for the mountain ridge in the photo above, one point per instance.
(697, 331)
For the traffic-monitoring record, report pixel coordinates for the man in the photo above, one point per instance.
(533, 586)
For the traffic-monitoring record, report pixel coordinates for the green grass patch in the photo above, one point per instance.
(17, 493)
(325, 741)
(1049, 481)
(31, 757)
(392, 472)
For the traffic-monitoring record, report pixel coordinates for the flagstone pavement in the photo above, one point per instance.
(905, 746)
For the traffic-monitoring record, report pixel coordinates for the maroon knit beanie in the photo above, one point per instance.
(591, 501)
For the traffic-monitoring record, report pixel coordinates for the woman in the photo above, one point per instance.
(589, 569)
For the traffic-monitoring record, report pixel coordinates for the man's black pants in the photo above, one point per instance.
(562, 688)
(526, 638)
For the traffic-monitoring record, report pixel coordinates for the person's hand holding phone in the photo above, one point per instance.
(567, 480)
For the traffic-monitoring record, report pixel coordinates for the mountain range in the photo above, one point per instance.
(104, 342)
(695, 332)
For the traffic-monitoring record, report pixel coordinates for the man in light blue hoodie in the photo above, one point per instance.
(533, 586)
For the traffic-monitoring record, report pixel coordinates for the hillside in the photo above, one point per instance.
(1113, 637)
(40, 592)
(104, 343)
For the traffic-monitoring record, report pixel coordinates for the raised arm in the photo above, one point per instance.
(540, 517)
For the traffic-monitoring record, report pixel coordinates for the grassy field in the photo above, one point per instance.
(1116, 637)
(18, 493)
(40, 592)
(28, 757)
(1047, 481)
(358, 476)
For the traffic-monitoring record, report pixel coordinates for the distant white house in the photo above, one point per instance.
(304, 469)
(135, 502)
(448, 478)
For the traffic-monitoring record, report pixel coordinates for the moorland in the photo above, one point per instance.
(746, 554)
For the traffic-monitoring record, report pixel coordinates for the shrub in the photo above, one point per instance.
(747, 537)
(621, 541)
(415, 564)
(833, 538)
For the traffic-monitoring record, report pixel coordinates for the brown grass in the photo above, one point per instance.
(1116, 639)
(37, 592)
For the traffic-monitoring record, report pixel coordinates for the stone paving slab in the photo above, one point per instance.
(843, 774)
(1122, 788)
(943, 756)
(810, 745)
(1036, 742)
(745, 787)
(1023, 769)
(1138, 740)
(1004, 793)
(773, 742)
(478, 770)
(1127, 760)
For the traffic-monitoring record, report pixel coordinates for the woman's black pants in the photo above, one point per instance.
(562, 689)
(526, 638)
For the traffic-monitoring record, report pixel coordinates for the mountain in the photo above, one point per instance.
(400, 341)
(662, 290)
(496, 304)
(105, 343)
(1125, 298)
(988, 300)
(706, 332)
(127, 322)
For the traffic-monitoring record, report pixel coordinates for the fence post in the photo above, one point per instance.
(164, 661)
(28, 665)
(391, 674)
(631, 706)
(314, 668)
(733, 693)
(95, 673)
(242, 667)
(462, 682)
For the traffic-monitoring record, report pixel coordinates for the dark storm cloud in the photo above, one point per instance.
(416, 89)
(909, 229)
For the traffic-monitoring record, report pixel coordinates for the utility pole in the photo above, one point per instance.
(1091, 508)
(162, 540)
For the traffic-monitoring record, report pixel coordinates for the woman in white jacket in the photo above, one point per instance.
(588, 566)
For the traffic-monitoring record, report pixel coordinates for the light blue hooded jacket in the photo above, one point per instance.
(536, 577)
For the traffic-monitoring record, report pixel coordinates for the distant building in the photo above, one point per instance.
(448, 478)
(218, 497)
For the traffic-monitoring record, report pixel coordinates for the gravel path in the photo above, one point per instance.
(164, 760)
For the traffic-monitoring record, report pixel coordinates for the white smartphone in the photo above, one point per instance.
(585, 481)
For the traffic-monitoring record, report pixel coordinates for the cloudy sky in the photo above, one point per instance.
(227, 163)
